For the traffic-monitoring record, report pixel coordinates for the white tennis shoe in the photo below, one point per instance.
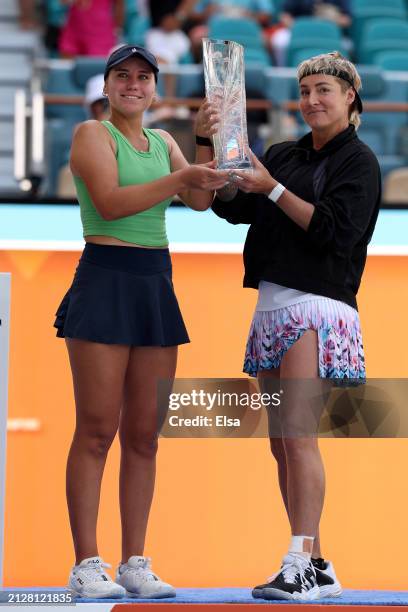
(88, 579)
(140, 582)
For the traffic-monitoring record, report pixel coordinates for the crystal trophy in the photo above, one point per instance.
(224, 77)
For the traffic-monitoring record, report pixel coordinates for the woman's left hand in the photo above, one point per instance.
(258, 181)
(207, 119)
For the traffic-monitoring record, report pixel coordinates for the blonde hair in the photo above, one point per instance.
(334, 64)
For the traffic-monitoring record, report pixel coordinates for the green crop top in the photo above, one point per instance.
(147, 228)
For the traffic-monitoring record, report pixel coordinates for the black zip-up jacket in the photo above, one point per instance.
(343, 182)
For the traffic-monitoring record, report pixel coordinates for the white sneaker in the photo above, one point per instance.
(327, 580)
(89, 580)
(139, 581)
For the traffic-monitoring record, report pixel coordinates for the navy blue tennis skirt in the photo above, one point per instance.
(122, 295)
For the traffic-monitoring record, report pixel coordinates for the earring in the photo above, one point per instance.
(104, 94)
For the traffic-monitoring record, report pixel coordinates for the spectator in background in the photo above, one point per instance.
(166, 39)
(91, 27)
(96, 103)
(27, 19)
(338, 11)
(257, 10)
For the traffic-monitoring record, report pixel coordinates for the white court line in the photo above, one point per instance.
(175, 247)
(388, 249)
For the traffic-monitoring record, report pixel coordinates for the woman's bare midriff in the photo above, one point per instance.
(110, 240)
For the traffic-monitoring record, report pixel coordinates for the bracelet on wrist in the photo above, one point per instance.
(276, 192)
(203, 142)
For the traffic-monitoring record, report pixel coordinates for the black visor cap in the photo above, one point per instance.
(127, 51)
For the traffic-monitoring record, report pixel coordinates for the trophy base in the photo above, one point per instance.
(235, 165)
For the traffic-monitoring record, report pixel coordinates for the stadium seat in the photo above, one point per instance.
(57, 146)
(190, 81)
(310, 29)
(312, 33)
(255, 80)
(389, 163)
(257, 56)
(382, 131)
(365, 11)
(6, 137)
(276, 9)
(392, 60)
(396, 187)
(224, 27)
(358, 5)
(280, 85)
(187, 58)
(8, 185)
(304, 54)
(403, 141)
(382, 35)
(136, 28)
(61, 118)
(85, 68)
(374, 85)
(373, 137)
(60, 81)
(243, 31)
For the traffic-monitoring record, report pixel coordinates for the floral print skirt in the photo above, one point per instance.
(340, 344)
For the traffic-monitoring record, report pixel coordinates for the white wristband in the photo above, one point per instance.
(276, 192)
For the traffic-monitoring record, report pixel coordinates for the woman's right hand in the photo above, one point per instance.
(204, 177)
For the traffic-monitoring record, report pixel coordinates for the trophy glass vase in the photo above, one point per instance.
(224, 77)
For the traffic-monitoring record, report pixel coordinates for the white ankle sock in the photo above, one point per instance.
(302, 545)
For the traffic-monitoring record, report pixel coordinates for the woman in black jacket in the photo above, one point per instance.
(312, 206)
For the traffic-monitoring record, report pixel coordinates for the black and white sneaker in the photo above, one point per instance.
(326, 579)
(296, 581)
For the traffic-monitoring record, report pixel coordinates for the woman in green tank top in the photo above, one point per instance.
(120, 318)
